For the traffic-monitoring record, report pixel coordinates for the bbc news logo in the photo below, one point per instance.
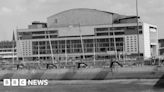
(24, 82)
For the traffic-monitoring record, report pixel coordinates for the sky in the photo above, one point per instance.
(20, 13)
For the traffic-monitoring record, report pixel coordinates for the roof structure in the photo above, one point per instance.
(83, 16)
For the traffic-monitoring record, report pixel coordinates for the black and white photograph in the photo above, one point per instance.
(81, 46)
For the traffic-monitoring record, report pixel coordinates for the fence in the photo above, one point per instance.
(8, 65)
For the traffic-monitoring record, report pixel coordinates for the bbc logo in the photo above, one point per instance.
(14, 82)
(24, 82)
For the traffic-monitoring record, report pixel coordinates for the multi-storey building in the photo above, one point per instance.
(78, 33)
(161, 47)
(7, 50)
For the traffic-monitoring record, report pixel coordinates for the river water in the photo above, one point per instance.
(123, 85)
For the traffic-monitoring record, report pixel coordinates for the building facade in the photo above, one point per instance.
(8, 50)
(87, 34)
(161, 47)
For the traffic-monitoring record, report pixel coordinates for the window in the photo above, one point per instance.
(111, 33)
(140, 32)
(119, 33)
(101, 29)
(52, 32)
(131, 28)
(102, 34)
(56, 20)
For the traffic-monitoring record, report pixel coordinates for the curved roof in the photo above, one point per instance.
(82, 16)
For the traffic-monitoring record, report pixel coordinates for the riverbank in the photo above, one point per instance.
(139, 72)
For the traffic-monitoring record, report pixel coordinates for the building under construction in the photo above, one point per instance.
(87, 34)
(8, 50)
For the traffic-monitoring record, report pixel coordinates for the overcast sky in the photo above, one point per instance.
(20, 13)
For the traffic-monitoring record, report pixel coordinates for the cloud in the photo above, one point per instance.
(20, 9)
(42, 1)
(22, 12)
(6, 10)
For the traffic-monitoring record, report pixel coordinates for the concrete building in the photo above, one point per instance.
(75, 33)
(161, 47)
(8, 50)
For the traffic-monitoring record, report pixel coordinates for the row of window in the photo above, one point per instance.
(86, 50)
(117, 28)
(131, 42)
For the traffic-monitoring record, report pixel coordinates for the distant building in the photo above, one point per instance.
(90, 31)
(7, 50)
